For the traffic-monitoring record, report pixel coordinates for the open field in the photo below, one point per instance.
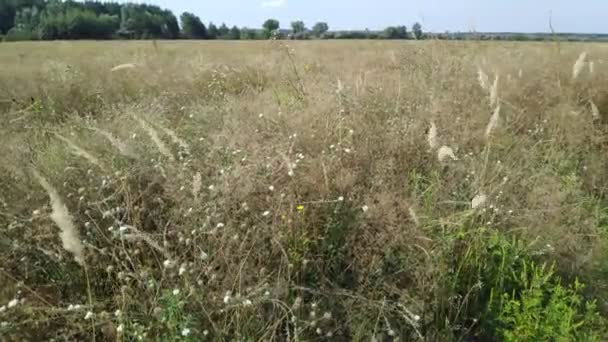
(300, 191)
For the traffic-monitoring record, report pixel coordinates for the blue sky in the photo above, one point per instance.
(435, 15)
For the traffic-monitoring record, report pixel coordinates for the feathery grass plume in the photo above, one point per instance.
(62, 218)
(197, 183)
(445, 152)
(162, 148)
(414, 216)
(176, 139)
(578, 65)
(494, 92)
(493, 121)
(123, 148)
(432, 136)
(123, 67)
(77, 151)
(482, 77)
(479, 200)
(591, 67)
(595, 112)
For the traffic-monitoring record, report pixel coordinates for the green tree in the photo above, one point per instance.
(320, 28)
(212, 31)
(395, 32)
(298, 27)
(223, 31)
(270, 26)
(235, 33)
(417, 30)
(192, 26)
(248, 34)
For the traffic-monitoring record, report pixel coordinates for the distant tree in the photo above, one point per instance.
(298, 27)
(395, 32)
(320, 28)
(248, 34)
(212, 31)
(270, 26)
(235, 33)
(417, 31)
(192, 26)
(223, 31)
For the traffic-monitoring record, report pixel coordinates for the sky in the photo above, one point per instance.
(581, 16)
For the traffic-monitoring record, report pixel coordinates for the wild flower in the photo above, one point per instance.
(89, 315)
(185, 332)
(175, 292)
(365, 208)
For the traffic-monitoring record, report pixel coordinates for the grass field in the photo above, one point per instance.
(300, 191)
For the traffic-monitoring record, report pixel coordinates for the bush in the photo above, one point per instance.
(546, 311)
(14, 35)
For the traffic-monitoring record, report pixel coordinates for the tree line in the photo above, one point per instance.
(69, 19)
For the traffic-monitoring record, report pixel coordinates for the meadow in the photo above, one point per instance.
(303, 191)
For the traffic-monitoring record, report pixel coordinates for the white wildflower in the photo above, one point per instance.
(89, 315)
(341, 199)
(271, 188)
(185, 332)
(120, 328)
(365, 208)
(182, 270)
(327, 316)
(266, 213)
(168, 263)
(176, 292)
(247, 302)
(117, 313)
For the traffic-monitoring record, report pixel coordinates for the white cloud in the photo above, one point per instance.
(274, 3)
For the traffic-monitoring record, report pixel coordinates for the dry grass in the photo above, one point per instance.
(248, 190)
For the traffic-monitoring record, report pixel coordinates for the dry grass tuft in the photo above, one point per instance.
(80, 152)
(62, 218)
(578, 66)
